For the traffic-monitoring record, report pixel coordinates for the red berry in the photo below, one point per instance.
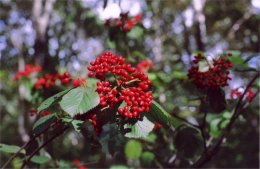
(65, 80)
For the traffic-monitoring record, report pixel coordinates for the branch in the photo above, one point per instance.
(184, 120)
(24, 146)
(203, 133)
(26, 161)
(206, 157)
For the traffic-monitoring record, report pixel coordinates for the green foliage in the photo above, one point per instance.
(218, 122)
(158, 114)
(48, 102)
(118, 167)
(10, 148)
(111, 139)
(44, 123)
(76, 124)
(79, 100)
(135, 33)
(188, 142)
(179, 75)
(39, 159)
(133, 149)
(140, 128)
(147, 158)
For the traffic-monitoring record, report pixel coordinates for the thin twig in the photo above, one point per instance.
(184, 120)
(206, 157)
(26, 161)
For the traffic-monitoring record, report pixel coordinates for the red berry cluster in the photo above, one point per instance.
(124, 22)
(235, 94)
(250, 94)
(137, 101)
(29, 69)
(107, 94)
(216, 76)
(95, 123)
(130, 86)
(49, 80)
(144, 65)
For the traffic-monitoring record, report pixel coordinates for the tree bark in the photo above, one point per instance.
(200, 26)
(40, 16)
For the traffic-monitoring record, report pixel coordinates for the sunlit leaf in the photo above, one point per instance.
(79, 100)
(139, 129)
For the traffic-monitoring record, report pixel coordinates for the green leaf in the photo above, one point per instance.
(135, 33)
(133, 149)
(40, 159)
(43, 123)
(224, 124)
(118, 167)
(236, 58)
(64, 164)
(196, 52)
(188, 142)
(10, 148)
(147, 158)
(111, 44)
(139, 54)
(179, 75)
(75, 123)
(48, 102)
(79, 100)
(214, 127)
(140, 128)
(158, 114)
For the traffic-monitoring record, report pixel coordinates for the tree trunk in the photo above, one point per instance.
(200, 26)
(40, 15)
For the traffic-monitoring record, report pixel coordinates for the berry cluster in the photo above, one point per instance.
(216, 76)
(235, 94)
(137, 101)
(107, 94)
(144, 65)
(92, 117)
(124, 22)
(49, 80)
(130, 86)
(29, 69)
